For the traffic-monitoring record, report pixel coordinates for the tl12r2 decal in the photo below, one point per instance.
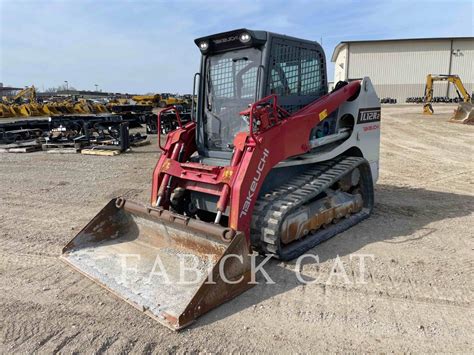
(367, 115)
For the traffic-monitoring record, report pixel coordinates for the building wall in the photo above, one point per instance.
(463, 63)
(398, 69)
(340, 66)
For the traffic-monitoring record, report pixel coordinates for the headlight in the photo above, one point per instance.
(204, 45)
(245, 37)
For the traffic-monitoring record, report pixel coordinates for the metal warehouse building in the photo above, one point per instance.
(398, 67)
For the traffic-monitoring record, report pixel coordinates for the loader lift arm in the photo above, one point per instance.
(249, 150)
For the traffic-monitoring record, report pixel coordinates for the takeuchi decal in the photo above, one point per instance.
(225, 40)
(254, 184)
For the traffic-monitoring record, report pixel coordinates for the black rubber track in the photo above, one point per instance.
(272, 208)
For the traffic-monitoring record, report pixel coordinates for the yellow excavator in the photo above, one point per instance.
(463, 113)
(29, 93)
(24, 103)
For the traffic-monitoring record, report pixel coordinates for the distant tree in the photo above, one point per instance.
(60, 88)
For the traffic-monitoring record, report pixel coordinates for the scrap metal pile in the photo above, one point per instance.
(78, 132)
(109, 132)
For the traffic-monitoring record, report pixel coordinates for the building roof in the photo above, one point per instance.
(9, 88)
(343, 43)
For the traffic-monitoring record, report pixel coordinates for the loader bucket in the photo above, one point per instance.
(15, 109)
(464, 113)
(50, 109)
(6, 111)
(171, 267)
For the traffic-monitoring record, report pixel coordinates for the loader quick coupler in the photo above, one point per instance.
(225, 234)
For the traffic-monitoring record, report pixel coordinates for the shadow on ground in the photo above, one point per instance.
(401, 215)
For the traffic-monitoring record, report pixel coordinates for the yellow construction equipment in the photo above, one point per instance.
(29, 93)
(169, 100)
(119, 101)
(15, 109)
(83, 106)
(28, 109)
(50, 109)
(6, 111)
(25, 104)
(158, 100)
(463, 113)
(19, 105)
(67, 106)
(150, 100)
(116, 101)
(99, 107)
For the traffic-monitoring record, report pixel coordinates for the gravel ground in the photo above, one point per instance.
(417, 295)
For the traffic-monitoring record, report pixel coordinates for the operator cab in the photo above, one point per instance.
(240, 67)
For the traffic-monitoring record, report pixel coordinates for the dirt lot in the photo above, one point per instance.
(418, 294)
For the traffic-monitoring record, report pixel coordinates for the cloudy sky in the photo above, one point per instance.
(147, 46)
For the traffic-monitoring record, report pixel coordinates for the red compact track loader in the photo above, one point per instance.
(271, 163)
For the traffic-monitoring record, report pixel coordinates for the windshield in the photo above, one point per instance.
(231, 80)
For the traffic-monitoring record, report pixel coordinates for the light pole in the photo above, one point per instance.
(67, 86)
(96, 87)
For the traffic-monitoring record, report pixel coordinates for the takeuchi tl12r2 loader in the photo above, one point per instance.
(271, 163)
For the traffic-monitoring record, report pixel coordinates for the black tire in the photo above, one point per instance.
(339, 84)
